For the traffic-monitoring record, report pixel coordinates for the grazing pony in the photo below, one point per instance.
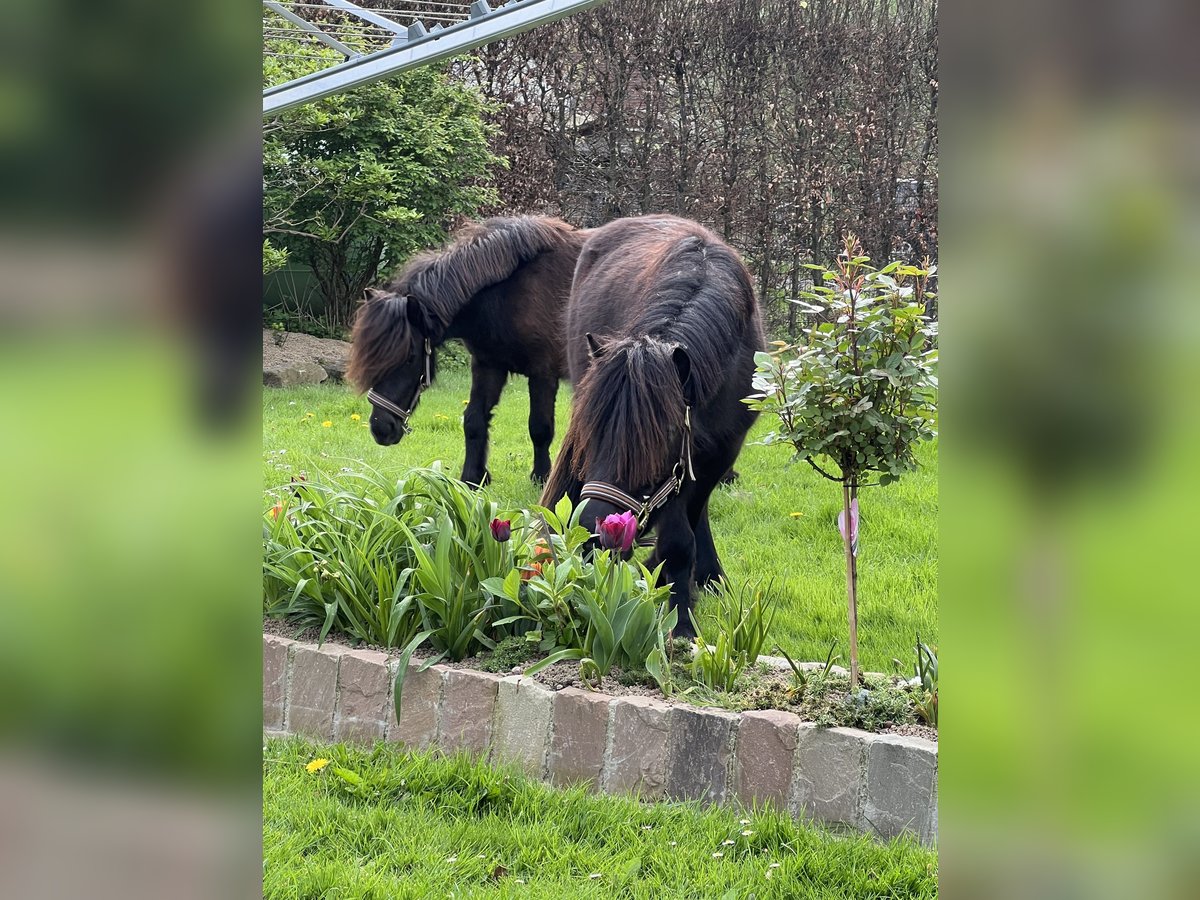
(500, 286)
(662, 328)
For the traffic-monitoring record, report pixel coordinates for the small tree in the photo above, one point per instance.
(355, 183)
(861, 392)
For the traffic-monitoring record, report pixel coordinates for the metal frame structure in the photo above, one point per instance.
(412, 45)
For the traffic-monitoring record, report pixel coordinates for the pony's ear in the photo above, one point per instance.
(683, 368)
(595, 348)
(422, 320)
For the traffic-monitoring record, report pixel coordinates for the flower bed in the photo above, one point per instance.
(885, 784)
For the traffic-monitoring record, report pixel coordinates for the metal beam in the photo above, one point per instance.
(433, 47)
(367, 16)
(311, 29)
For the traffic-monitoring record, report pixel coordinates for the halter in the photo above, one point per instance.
(400, 413)
(682, 470)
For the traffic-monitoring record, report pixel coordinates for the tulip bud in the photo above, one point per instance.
(501, 529)
(617, 532)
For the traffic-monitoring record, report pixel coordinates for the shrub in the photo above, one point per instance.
(355, 183)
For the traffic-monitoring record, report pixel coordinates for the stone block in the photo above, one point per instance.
(901, 775)
(421, 698)
(468, 703)
(364, 693)
(701, 753)
(766, 755)
(275, 665)
(312, 691)
(637, 747)
(830, 767)
(580, 737)
(290, 376)
(523, 710)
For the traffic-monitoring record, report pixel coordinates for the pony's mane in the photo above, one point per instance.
(629, 405)
(627, 411)
(442, 282)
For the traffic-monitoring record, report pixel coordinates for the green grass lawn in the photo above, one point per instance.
(776, 523)
(415, 826)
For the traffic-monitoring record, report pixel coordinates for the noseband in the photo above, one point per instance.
(682, 470)
(400, 413)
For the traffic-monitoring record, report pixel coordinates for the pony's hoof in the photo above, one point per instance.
(482, 482)
(730, 477)
(539, 478)
(684, 632)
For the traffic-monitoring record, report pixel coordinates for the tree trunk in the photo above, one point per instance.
(851, 585)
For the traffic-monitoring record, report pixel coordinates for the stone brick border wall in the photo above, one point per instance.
(877, 783)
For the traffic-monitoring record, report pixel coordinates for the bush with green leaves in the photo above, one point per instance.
(860, 392)
(355, 183)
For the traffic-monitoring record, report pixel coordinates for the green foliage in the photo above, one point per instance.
(861, 391)
(601, 611)
(732, 635)
(340, 557)
(925, 678)
(357, 182)
(800, 676)
(510, 651)
(421, 825)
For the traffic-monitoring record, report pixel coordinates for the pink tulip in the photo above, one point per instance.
(617, 532)
(501, 529)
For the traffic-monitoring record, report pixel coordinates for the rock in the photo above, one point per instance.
(467, 707)
(290, 376)
(523, 724)
(637, 759)
(579, 738)
(364, 694)
(290, 358)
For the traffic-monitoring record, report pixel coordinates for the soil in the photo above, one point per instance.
(910, 730)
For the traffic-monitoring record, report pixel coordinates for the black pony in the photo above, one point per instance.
(662, 329)
(501, 286)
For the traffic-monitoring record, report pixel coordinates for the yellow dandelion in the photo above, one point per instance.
(309, 415)
(796, 515)
(354, 417)
(326, 424)
(316, 766)
(465, 402)
(444, 418)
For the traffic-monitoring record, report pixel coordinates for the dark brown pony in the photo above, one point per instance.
(501, 286)
(662, 329)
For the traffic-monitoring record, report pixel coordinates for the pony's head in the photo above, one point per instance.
(628, 429)
(392, 359)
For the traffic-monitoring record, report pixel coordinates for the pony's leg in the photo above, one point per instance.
(676, 548)
(486, 385)
(542, 393)
(708, 565)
